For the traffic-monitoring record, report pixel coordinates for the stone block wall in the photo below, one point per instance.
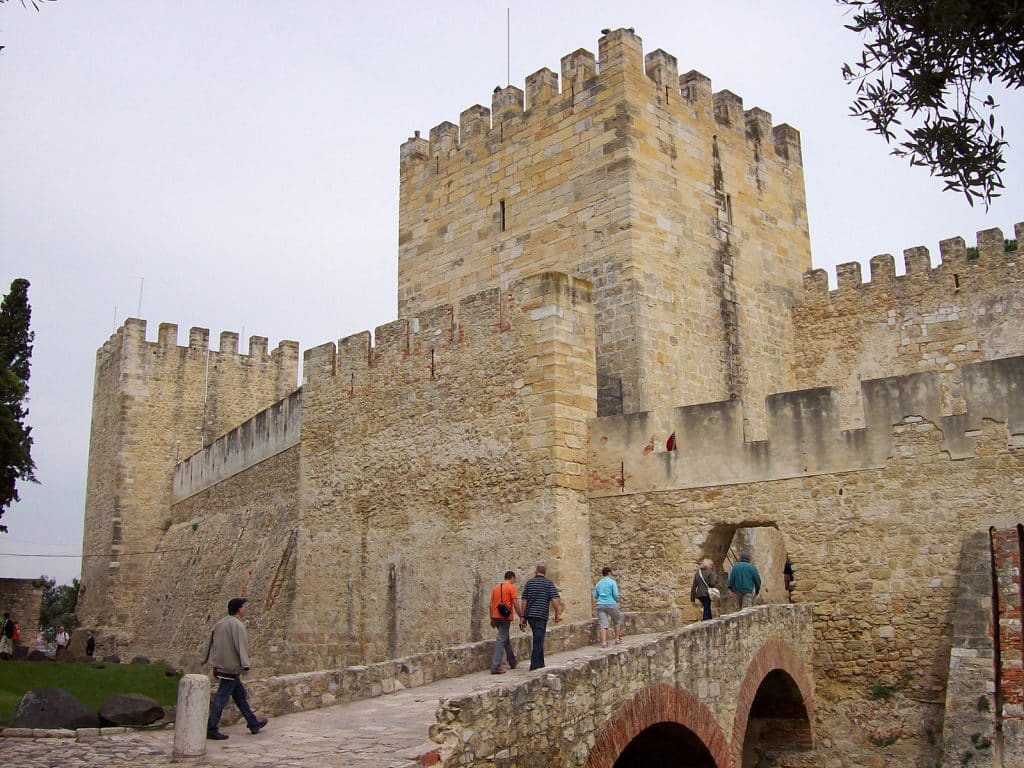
(969, 725)
(450, 450)
(236, 538)
(1008, 567)
(22, 598)
(930, 319)
(154, 403)
(875, 548)
(684, 211)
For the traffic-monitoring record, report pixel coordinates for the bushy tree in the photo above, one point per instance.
(924, 83)
(58, 606)
(15, 355)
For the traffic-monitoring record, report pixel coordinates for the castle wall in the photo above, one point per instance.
(876, 548)
(154, 403)
(450, 450)
(685, 213)
(269, 432)
(238, 537)
(1008, 570)
(933, 319)
(22, 599)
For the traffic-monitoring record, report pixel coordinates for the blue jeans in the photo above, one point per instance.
(706, 602)
(540, 628)
(230, 689)
(503, 644)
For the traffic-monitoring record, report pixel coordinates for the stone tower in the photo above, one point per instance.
(685, 212)
(155, 403)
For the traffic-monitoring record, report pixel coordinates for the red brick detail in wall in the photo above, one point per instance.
(771, 656)
(659, 703)
(1006, 548)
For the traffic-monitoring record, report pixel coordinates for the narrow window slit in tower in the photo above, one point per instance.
(956, 282)
(728, 208)
(501, 205)
(437, 163)
(352, 384)
(666, 94)
(432, 364)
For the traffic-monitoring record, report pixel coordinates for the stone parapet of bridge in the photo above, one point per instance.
(716, 693)
(302, 691)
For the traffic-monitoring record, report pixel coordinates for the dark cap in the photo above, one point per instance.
(235, 603)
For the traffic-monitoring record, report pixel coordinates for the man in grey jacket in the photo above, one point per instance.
(228, 654)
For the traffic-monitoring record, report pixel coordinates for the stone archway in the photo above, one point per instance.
(658, 719)
(775, 706)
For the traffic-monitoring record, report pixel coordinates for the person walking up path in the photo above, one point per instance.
(228, 654)
(539, 596)
(744, 581)
(504, 605)
(703, 584)
(606, 596)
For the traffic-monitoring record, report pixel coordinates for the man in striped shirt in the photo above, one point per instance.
(539, 596)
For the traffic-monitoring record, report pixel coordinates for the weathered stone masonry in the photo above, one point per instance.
(596, 263)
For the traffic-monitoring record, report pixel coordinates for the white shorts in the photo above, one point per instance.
(608, 614)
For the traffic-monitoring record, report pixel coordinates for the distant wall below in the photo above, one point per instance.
(22, 599)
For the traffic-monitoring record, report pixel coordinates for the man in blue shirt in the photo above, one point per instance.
(744, 581)
(538, 595)
(606, 596)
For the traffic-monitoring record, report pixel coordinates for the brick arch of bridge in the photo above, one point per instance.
(658, 703)
(773, 655)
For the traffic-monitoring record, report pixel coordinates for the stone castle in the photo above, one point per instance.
(609, 259)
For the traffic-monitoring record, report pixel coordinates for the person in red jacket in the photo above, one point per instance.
(504, 605)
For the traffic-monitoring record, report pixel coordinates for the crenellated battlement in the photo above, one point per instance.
(133, 333)
(631, 453)
(992, 257)
(583, 74)
(423, 336)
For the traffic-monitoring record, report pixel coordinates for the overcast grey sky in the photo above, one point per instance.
(242, 159)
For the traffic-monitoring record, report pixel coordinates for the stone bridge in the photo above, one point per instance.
(733, 692)
(716, 695)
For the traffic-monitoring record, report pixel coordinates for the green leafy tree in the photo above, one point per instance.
(925, 80)
(15, 355)
(58, 606)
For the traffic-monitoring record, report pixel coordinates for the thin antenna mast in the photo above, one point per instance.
(508, 46)
(142, 281)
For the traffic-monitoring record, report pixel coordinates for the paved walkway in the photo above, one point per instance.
(385, 732)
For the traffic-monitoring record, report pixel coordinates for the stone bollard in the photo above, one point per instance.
(190, 716)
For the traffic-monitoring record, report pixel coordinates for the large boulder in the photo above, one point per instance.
(37, 655)
(53, 708)
(130, 709)
(140, 660)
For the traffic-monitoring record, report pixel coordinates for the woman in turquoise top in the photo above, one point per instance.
(606, 595)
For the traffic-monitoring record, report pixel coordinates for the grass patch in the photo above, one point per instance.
(90, 682)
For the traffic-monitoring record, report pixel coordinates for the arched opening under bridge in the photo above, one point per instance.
(777, 721)
(666, 744)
